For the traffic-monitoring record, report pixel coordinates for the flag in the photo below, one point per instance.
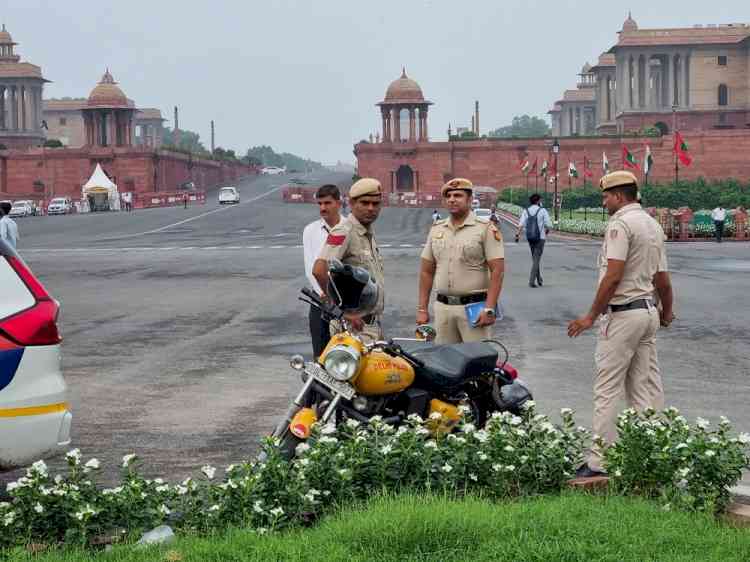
(572, 170)
(587, 168)
(605, 163)
(525, 165)
(648, 161)
(533, 166)
(628, 160)
(543, 171)
(681, 149)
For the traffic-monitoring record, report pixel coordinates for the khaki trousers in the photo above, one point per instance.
(452, 326)
(626, 363)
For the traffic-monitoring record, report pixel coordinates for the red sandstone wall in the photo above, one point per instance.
(143, 170)
(716, 154)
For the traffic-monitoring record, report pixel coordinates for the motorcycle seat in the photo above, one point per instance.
(447, 366)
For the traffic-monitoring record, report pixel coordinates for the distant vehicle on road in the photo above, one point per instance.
(272, 171)
(228, 195)
(34, 206)
(59, 206)
(21, 209)
(188, 185)
(475, 203)
(483, 213)
(35, 415)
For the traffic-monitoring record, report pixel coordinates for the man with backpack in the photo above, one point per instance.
(536, 224)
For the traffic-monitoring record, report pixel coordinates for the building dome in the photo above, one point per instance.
(5, 38)
(404, 90)
(107, 93)
(629, 24)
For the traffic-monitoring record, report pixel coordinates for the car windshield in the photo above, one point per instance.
(57, 201)
(19, 204)
(227, 190)
(483, 212)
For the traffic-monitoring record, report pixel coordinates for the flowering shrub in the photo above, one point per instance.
(511, 456)
(510, 208)
(661, 455)
(592, 227)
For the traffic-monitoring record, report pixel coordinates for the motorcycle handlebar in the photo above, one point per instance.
(327, 308)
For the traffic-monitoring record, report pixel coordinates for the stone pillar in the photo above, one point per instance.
(396, 124)
(412, 124)
(23, 108)
(686, 79)
(424, 130)
(13, 109)
(636, 82)
(628, 85)
(384, 115)
(2, 107)
(670, 81)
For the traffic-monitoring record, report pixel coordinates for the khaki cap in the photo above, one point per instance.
(365, 186)
(457, 183)
(616, 179)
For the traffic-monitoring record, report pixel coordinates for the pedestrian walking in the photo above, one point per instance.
(464, 258)
(185, 200)
(719, 215)
(536, 224)
(313, 237)
(8, 227)
(435, 216)
(632, 267)
(352, 241)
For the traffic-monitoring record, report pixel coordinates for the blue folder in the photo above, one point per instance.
(474, 309)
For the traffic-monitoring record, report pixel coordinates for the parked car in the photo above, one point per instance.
(59, 206)
(36, 417)
(21, 209)
(228, 195)
(483, 213)
(475, 204)
(34, 206)
(272, 171)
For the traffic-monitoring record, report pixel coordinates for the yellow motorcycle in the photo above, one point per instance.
(357, 379)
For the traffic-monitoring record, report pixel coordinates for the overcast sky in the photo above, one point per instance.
(303, 76)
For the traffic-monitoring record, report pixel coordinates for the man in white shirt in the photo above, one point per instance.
(719, 215)
(536, 224)
(8, 227)
(313, 238)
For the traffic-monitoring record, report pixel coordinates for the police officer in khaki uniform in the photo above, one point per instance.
(464, 259)
(632, 267)
(352, 241)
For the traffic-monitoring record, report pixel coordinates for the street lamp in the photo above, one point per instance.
(556, 151)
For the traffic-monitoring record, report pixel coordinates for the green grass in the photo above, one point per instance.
(572, 527)
(580, 215)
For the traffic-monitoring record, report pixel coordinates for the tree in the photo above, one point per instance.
(523, 126)
(266, 156)
(189, 141)
(53, 143)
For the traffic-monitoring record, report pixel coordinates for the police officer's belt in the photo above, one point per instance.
(465, 299)
(635, 305)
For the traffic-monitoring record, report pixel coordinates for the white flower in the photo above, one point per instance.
(45, 491)
(386, 449)
(528, 405)
(667, 507)
(39, 467)
(473, 477)
(684, 472)
(481, 436)
(431, 444)
(164, 510)
(423, 431)
(262, 530)
(401, 430)
(415, 418)
(510, 468)
(523, 459)
(566, 411)
(682, 483)
(58, 479)
(158, 481)
(74, 455)
(277, 512)
(85, 511)
(209, 471)
(744, 438)
(714, 440)
(650, 432)
(326, 439)
(128, 459)
(436, 416)
(483, 457)
(12, 486)
(725, 421)
(304, 462)
(9, 518)
(681, 446)
(352, 423)
(328, 429)
(144, 495)
(508, 449)
(163, 488)
(214, 507)
(702, 423)
(39, 508)
(520, 432)
(181, 490)
(93, 464)
(302, 448)
(446, 468)
(515, 420)
(258, 506)
(618, 473)
(548, 427)
(497, 467)
(710, 453)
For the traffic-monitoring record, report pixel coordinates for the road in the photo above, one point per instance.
(178, 324)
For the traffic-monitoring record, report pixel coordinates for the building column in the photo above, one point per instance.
(23, 107)
(670, 81)
(384, 115)
(628, 89)
(686, 79)
(425, 132)
(412, 125)
(396, 116)
(2, 107)
(13, 108)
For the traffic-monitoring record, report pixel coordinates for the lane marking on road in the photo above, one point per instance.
(207, 213)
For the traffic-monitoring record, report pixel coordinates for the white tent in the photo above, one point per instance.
(102, 190)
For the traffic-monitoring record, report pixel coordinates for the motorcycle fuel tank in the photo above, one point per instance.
(382, 374)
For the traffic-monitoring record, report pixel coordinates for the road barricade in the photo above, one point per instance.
(167, 199)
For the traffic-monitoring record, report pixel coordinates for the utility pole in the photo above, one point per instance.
(213, 137)
(476, 117)
(176, 127)
(674, 137)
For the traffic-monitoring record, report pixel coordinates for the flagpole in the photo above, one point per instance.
(527, 185)
(674, 145)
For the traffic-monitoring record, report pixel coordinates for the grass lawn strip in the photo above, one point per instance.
(571, 527)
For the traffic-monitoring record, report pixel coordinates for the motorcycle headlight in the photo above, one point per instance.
(342, 362)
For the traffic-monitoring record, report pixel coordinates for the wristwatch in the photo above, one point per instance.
(490, 311)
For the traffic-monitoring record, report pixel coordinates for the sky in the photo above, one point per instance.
(304, 76)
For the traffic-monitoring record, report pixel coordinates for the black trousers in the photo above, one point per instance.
(537, 249)
(719, 225)
(320, 331)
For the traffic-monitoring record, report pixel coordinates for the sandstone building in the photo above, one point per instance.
(695, 78)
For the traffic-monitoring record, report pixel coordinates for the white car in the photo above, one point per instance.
(475, 203)
(34, 412)
(20, 209)
(272, 171)
(59, 206)
(483, 213)
(228, 195)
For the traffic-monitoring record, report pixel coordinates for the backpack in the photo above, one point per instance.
(532, 226)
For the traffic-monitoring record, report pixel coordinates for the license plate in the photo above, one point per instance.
(319, 374)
